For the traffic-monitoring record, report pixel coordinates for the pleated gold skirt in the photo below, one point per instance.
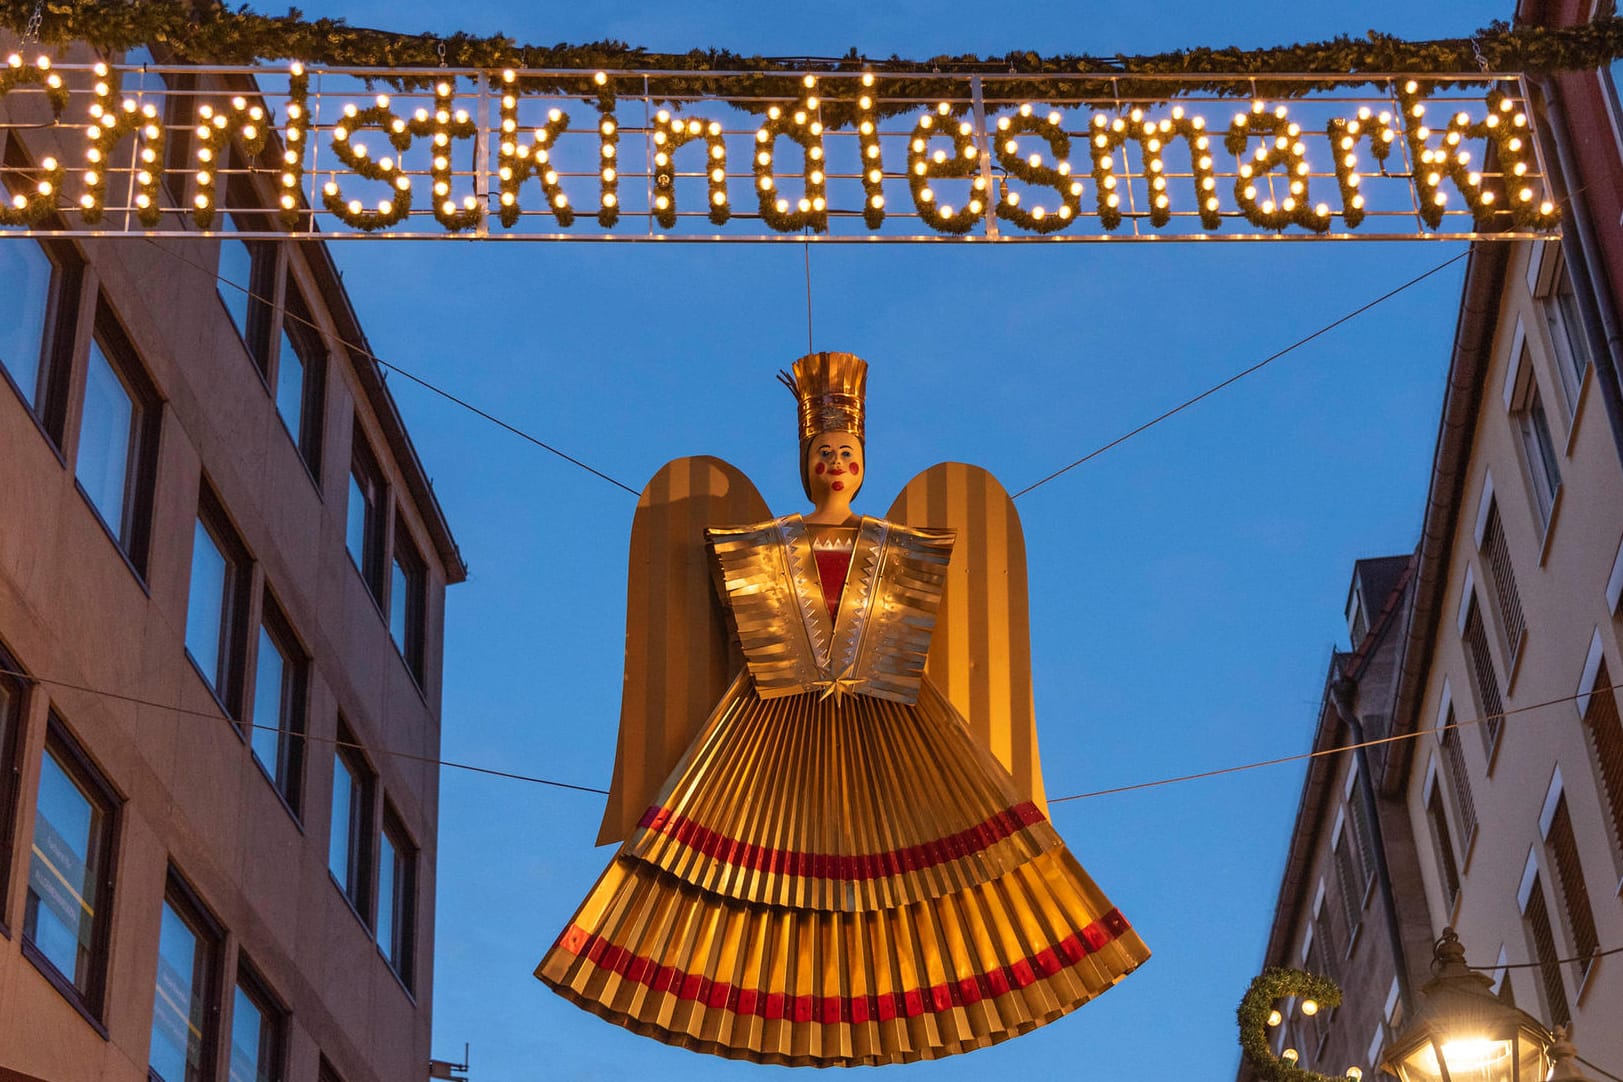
(835, 884)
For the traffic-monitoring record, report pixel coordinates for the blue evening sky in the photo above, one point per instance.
(1187, 587)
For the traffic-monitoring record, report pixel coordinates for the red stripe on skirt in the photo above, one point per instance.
(795, 862)
(829, 1010)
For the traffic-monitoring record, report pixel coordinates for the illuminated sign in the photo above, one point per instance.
(716, 156)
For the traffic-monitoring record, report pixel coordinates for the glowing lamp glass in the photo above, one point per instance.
(1462, 1032)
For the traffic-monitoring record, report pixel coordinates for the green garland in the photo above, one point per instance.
(216, 34)
(1256, 1014)
(1035, 173)
(671, 133)
(215, 129)
(962, 161)
(803, 125)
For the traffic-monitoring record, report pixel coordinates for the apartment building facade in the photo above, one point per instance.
(1501, 796)
(222, 581)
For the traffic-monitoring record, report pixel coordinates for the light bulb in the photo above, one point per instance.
(1310, 1007)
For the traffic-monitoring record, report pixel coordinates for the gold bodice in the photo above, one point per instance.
(877, 641)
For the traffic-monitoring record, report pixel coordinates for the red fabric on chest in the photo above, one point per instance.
(831, 571)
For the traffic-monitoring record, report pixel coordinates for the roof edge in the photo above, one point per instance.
(1474, 333)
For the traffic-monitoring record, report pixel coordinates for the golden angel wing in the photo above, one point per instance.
(981, 655)
(679, 653)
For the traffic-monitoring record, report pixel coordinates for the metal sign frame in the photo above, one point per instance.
(149, 149)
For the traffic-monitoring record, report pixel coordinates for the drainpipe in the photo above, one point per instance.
(1341, 694)
(1581, 249)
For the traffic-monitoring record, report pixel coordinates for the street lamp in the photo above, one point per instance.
(1462, 1032)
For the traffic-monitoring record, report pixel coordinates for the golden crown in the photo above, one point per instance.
(831, 389)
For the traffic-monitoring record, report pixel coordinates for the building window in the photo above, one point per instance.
(25, 306)
(397, 898)
(300, 370)
(183, 1038)
(1496, 551)
(1350, 885)
(70, 882)
(349, 856)
(1612, 80)
(258, 1031)
(117, 440)
(407, 590)
(1537, 915)
(1459, 782)
(1448, 867)
(1484, 677)
(1559, 306)
(363, 528)
(38, 308)
(1538, 446)
(247, 278)
(11, 716)
(1569, 873)
(280, 679)
(217, 606)
(1606, 744)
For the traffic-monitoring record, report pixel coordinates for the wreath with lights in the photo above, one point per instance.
(1257, 1014)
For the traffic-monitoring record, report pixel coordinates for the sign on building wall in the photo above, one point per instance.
(716, 156)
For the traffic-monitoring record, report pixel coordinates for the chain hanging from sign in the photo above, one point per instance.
(317, 152)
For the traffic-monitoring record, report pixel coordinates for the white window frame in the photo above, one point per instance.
(1586, 680)
(1521, 387)
(1545, 277)
(1530, 870)
(1552, 797)
(1445, 703)
(1614, 581)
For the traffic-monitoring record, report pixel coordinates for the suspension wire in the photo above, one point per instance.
(1135, 787)
(1551, 962)
(1598, 1070)
(215, 715)
(1322, 752)
(530, 438)
(1180, 407)
(807, 247)
(412, 376)
(570, 786)
(1095, 453)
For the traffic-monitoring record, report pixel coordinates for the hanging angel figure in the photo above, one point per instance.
(834, 847)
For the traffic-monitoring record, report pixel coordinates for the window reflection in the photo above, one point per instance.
(236, 277)
(106, 439)
(206, 606)
(179, 1009)
(290, 388)
(60, 916)
(270, 694)
(26, 271)
(247, 1040)
(388, 881)
(343, 815)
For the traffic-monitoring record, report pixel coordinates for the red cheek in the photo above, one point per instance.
(855, 468)
(821, 468)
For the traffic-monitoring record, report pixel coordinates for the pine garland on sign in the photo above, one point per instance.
(217, 34)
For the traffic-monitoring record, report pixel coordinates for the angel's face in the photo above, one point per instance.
(834, 467)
